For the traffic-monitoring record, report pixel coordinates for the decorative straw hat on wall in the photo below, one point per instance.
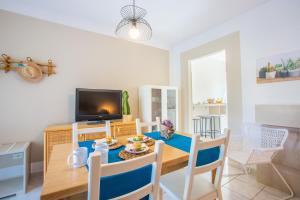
(30, 72)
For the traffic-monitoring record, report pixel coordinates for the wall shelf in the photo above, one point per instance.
(263, 80)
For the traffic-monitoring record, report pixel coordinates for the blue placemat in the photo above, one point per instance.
(184, 143)
(120, 184)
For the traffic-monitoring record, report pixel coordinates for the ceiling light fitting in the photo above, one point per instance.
(133, 26)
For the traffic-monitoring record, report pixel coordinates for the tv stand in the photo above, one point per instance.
(95, 122)
(92, 122)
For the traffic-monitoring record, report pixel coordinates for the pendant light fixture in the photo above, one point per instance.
(133, 26)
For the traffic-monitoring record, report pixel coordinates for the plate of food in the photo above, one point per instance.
(139, 138)
(108, 140)
(136, 147)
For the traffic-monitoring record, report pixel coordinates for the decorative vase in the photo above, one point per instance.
(294, 73)
(127, 118)
(125, 107)
(262, 74)
(283, 74)
(166, 132)
(270, 75)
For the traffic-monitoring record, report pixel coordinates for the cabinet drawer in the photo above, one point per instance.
(94, 136)
(125, 130)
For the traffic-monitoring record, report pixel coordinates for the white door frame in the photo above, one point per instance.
(190, 91)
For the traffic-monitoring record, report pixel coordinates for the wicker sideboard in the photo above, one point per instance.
(61, 134)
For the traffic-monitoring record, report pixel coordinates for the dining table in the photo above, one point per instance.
(64, 182)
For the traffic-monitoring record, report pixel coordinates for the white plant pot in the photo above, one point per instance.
(270, 75)
(127, 118)
(294, 73)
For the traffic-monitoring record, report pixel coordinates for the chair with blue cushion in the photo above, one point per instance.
(77, 131)
(104, 178)
(188, 183)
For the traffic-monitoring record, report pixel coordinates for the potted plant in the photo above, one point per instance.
(262, 72)
(127, 117)
(281, 70)
(283, 73)
(278, 68)
(271, 72)
(167, 129)
(297, 65)
(293, 68)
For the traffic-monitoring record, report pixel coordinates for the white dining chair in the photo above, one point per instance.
(149, 125)
(98, 170)
(260, 146)
(76, 131)
(188, 183)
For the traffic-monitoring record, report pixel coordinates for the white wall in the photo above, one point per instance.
(83, 59)
(208, 77)
(269, 29)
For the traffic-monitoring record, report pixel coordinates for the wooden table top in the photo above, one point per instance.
(61, 181)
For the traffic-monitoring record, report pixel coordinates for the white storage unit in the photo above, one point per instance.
(158, 101)
(14, 168)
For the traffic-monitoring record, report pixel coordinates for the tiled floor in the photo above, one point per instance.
(244, 187)
(234, 187)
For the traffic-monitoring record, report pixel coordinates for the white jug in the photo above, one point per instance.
(78, 157)
(103, 149)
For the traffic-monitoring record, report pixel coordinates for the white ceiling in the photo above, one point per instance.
(172, 21)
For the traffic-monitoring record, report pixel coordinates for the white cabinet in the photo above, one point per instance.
(14, 168)
(158, 101)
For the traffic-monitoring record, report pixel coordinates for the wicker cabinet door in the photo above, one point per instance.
(93, 136)
(54, 138)
(128, 129)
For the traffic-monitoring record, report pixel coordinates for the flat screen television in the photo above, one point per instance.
(98, 104)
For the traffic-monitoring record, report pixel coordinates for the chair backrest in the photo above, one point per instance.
(193, 170)
(76, 131)
(273, 137)
(98, 170)
(257, 136)
(140, 125)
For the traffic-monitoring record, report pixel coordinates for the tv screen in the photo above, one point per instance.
(95, 104)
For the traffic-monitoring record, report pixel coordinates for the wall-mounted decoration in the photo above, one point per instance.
(278, 68)
(29, 70)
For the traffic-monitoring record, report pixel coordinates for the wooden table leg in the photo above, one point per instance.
(213, 175)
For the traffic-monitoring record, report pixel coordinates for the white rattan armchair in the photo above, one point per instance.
(260, 145)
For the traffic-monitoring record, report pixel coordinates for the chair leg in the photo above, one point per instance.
(220, 197)
(284, 181)
(161, 194)
(245, 170)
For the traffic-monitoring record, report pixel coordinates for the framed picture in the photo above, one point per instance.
(278, 68)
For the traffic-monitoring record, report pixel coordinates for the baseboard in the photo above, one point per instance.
(36, 167)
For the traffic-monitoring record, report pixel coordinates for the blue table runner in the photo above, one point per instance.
(184, 143)
(120, 184)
